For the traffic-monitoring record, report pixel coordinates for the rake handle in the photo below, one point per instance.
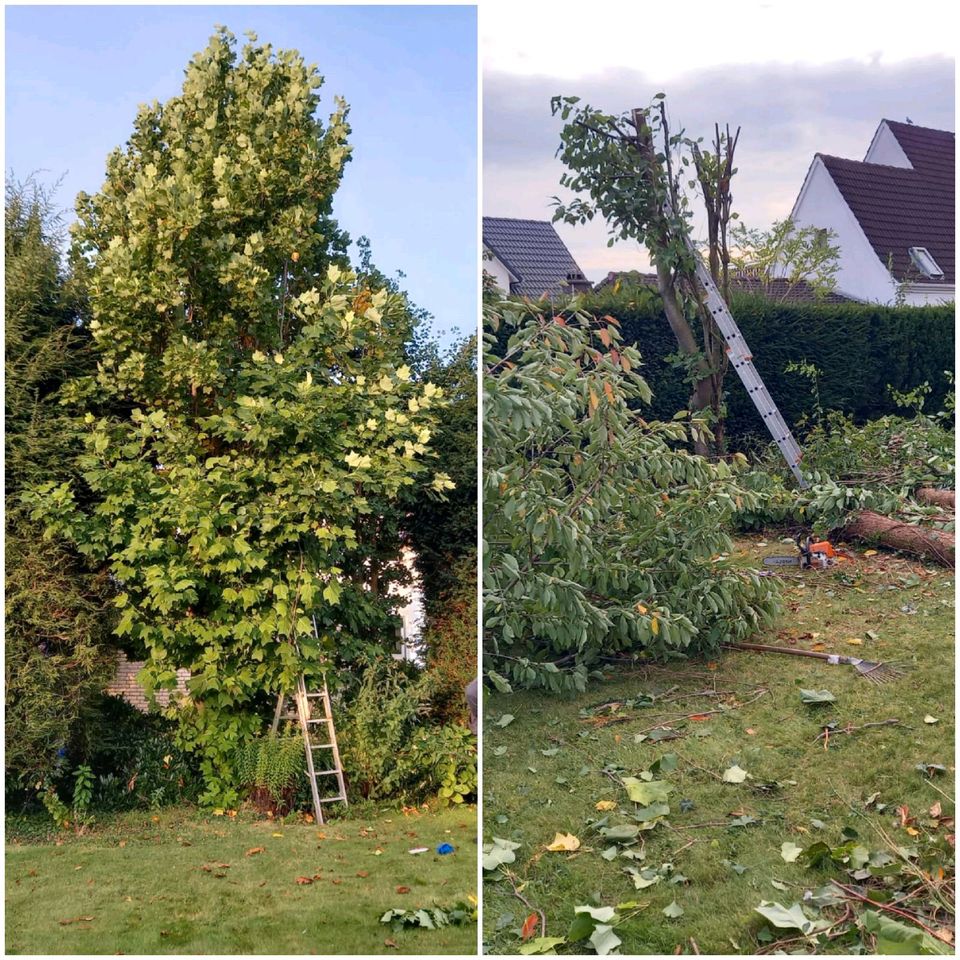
(765, 648)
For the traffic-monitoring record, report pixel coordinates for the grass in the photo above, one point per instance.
(181, 882)
(762, 726)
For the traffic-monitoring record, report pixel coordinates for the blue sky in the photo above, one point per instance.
(75, 74)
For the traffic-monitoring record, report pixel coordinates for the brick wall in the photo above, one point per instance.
(124, 684)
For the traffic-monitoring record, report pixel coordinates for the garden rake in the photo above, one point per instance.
(871, 670)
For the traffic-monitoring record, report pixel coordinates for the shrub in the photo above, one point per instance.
(389, 750)
(441, 760)
(134, 758)
(451, 644)
(268, 768)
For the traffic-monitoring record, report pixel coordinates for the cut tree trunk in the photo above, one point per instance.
(922, 541)
(940, 498)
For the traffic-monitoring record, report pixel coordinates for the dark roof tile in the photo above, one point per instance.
(898, 207)
(532, 251)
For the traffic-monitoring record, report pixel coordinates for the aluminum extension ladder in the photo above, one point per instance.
(742, 360)
(328, 739)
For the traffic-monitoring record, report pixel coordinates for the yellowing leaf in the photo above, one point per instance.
(869, 553)
(640, 608)
(564, 842)
(603, 805)
(855, 641)
(930, 719)
(655, 625)
(734, 775)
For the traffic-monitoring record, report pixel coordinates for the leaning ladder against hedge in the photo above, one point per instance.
(302, 700)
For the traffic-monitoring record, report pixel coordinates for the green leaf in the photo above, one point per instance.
(505, 720)
(792, 918)
(653, 791)
(541, 945)
(672, 910)
(816, 696)
(604, 940)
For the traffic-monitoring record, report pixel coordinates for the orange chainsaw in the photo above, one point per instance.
(813, 555)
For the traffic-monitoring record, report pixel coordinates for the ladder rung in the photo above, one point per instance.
(320, 720)
(324, 773)
(321, 746)
(314, 696)
(339, 798)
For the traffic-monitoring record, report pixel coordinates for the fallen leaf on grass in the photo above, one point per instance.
(929, 719)
(363, 873)
(391, 943)
(790, 851)
(403, 889)
(603, 805)
(253, 851)
(529, 926)
(64, 923)
(336, 881)
(735, 774)
(673, 910)
(304, 881)
(855, 641)
(816, 696)
(564, 842)
(750, 732)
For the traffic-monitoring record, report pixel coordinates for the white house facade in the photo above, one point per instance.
(892, 213)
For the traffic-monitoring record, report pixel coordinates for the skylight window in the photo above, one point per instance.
(925, 263)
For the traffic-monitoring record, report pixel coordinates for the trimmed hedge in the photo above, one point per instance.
(859, 349)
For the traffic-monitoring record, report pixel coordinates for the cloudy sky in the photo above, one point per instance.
(798, 79)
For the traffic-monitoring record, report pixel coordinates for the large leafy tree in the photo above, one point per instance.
(57, 617)
(602, 535)
(269, 410)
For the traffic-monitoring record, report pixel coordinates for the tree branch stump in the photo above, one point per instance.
(921, 541)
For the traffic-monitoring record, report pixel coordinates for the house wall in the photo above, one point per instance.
(495, 267)
(124, 684)
(861, 275)
(885, 148)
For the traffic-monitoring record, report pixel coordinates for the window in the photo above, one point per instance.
(925, 263)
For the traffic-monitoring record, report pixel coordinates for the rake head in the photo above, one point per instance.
(878, 672)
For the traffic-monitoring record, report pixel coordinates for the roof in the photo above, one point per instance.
(776, 289)
(534, 253)
(899, 207)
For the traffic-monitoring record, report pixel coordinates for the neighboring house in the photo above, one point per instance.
(526, 258)
(892, 212)
(778, 290)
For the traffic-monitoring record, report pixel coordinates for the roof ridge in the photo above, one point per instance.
(519, 220)
(917, 126)
(868, 163)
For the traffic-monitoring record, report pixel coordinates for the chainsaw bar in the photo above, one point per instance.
(781, 561)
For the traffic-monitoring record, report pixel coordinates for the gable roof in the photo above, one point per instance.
(534, 253)
(776, 289)
(902, 207)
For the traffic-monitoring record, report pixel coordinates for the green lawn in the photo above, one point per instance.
(181, 882)
(543, 772)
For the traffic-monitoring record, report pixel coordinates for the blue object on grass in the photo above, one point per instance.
(445, 848)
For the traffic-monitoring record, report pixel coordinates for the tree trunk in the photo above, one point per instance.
(922, 541)
(940, 498)
(703, 395)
